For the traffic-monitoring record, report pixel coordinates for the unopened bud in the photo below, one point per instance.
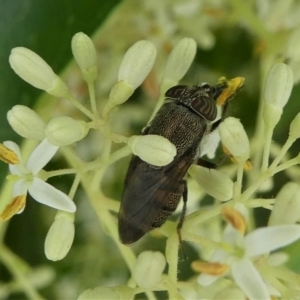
(213, 182)
(179, 60)
(234, 138)
(148, 268)
(119, 93)
(279, 85)
(26, 122)
(64, 130)
(34, 70)
(85, 55)
(286, 209)
(153, 149)
(271, 115)
(137, 63)
(295, 127)
(60, 236)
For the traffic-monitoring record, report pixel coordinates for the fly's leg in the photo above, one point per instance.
(206, 164)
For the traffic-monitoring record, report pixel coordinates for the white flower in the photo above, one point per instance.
(28, 181)
(243, 249)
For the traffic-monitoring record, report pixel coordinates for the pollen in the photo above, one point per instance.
(8, 156)
(209, 268)
(235, 218)
(17, 205)
(233, 85)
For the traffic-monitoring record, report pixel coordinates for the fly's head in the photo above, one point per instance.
(199, 98)
(204, 98)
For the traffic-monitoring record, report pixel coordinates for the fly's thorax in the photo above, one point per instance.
(200, 99)
(180, 125)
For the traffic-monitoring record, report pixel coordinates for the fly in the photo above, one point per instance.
(151, 193)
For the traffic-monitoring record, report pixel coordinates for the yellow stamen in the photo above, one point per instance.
(210, 268)
(8, 156)
(14, 207)
(247, 165)
(233, 85)
(235, 218)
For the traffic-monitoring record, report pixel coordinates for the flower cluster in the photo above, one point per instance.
(236, 260)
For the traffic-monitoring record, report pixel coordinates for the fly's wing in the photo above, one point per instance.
(150, 195)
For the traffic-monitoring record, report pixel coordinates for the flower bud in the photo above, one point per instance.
(180, 59)
(119, 93)
(286, 209)
(148, 268)
(295, 127)
(26, 122)
(213, 182)
(153, 149)
(63, 130)
(85, 55)
(137, 63)
(234, 138)
(60, 236)
(34, 70)
(271, 115)
(279, 85)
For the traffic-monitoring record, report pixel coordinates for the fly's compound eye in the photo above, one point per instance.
(205, 107)
(175, 91)
(206, 87)
(210, 90)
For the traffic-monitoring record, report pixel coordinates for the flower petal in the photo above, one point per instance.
(40, 156)
(205, 279)
(264, 240)
(46, 194)
(20, 188)
(249, 280)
